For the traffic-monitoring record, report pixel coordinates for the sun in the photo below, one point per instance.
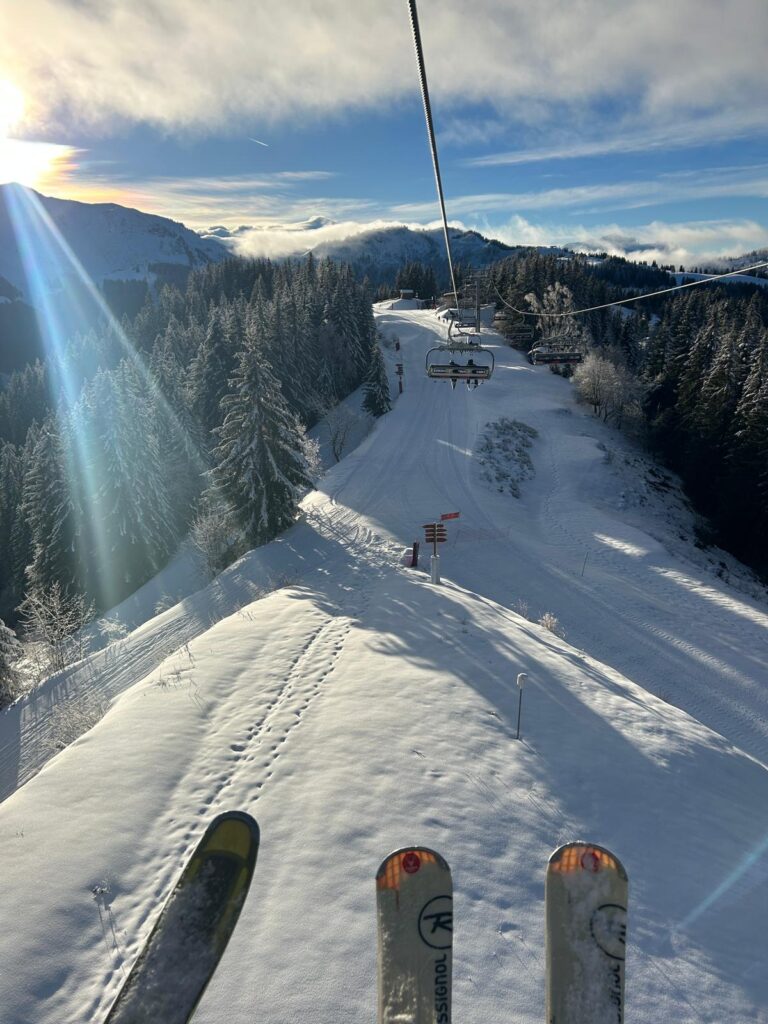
(27, 163)
(11, 107)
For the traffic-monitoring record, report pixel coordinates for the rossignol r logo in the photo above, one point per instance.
(608, 926)
(436, 922)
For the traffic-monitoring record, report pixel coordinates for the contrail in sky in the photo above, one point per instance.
(259, 142)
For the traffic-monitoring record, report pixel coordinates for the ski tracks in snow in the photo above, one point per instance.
(255, 753)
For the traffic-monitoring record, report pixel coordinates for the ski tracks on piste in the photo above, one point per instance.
(246, 739)
(254, 755)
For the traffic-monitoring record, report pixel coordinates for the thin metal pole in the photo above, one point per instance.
(520, 680)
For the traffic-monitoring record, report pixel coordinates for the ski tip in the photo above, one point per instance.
(587, 857)
(234, 830)
(407, 861)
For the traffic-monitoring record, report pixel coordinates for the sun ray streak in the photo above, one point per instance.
(746, 864)
(48, 259)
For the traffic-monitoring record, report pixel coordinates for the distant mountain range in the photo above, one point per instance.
(53, 250)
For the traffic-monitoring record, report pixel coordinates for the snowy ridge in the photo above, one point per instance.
(381, 252)
(110, 241)
(354, 708)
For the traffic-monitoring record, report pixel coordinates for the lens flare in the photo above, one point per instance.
(48, 262)
(11, 107)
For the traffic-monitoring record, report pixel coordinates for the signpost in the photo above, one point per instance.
(434, 534)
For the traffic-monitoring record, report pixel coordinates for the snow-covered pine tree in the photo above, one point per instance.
(50, 513)
(376, 387)
(181, 450)
(10, 499)
(10, 652)
(299, 383)
(21, 534)
(209, 372)
(128, 526)
(261, 462)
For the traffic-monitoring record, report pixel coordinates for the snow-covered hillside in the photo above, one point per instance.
(384, 251)
(353, 707)
(110, 241)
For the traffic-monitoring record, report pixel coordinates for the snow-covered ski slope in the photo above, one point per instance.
(356, 708)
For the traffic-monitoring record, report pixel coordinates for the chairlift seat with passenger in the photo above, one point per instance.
(441, 365)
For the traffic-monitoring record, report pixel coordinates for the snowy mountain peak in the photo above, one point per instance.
(107, 240)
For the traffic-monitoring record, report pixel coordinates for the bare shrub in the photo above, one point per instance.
(339, 422)
(550, 622)
(53, 620)
(73, 717)
(212, 534)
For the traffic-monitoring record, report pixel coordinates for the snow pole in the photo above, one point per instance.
(434, 568)
(520, 682)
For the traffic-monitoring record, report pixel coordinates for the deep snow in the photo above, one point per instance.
(353, 707)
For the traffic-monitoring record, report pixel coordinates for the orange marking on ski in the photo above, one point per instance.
(390, 876)
(583, 858)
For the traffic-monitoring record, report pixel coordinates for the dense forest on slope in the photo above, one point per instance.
(192, 413)
(692, 364)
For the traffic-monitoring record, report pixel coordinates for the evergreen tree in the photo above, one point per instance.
(260, 465)
(127, 524)
(21, 533)
(10, 652)
(50, 513)
(10, 500)
(209, 372)
(181, 451)
(376, 387)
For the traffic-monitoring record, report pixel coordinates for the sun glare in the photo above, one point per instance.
(11, 107)
(34, 164)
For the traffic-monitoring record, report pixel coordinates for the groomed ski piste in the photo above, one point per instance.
(354, 708)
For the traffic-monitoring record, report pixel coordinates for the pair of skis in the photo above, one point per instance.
(586, 900)
(586, 932)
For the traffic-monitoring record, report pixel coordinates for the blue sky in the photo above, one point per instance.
(640, 127)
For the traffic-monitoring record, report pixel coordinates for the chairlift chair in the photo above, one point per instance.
(478, 367)
(551, 352)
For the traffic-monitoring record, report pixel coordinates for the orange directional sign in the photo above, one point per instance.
(450, 515)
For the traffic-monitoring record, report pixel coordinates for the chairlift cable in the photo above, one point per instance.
(634, 298)
(431, 136)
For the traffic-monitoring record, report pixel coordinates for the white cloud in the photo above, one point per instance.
(188, 64)
(681, 134)
(686, 243)
(683, 186)
(276, 240)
